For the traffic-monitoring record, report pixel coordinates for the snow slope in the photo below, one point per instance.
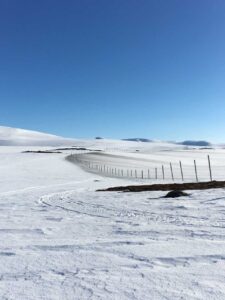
(21, 137)
(59, 239)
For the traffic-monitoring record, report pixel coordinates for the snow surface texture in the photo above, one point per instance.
(21, 137)
(59, 239)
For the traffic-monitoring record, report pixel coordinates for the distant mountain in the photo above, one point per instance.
(184, 143)
(21, 137)
(195, 143)
(138, 140)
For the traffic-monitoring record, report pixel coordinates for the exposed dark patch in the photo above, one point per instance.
(41, 151)
(73, 148)
(78, 149)
(167, 187)
(175, 194)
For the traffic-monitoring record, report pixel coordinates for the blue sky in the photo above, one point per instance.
(120, 68)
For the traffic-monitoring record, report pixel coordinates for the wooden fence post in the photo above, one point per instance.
(148, 174)
(156, 175)
(196, 173)
(181, 171)
(210, 170)
(171, 170)
(163, 173)
(142, 174)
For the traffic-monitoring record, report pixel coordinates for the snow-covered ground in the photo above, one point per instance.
(59, 239)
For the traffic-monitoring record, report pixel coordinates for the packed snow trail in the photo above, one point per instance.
(59, 239)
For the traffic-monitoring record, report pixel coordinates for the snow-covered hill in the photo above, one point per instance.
(21, 137)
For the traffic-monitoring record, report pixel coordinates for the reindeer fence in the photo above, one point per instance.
(168, 171)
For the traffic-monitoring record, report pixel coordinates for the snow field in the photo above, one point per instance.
(59, 239)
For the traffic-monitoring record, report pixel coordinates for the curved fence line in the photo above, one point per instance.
(166, 171)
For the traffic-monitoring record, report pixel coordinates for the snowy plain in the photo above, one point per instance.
(60, 239)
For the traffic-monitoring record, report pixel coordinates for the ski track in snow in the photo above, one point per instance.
(65, 241)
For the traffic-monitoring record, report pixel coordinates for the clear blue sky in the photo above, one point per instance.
(114, 68)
